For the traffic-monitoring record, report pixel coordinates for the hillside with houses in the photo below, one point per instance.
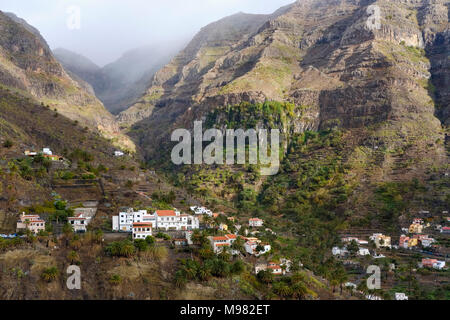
(358, 115)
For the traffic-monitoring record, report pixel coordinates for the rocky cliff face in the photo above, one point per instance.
(315, 53)
(386, 87)
(27, 64)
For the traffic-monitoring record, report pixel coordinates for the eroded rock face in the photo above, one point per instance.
(314, 53)
(26, 63)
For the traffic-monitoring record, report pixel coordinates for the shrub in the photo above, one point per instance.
(123, 248)
(49, 274)
(115, 279)
(7, 144)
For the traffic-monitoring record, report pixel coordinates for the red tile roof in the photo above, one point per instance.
(165, 213)
(142, 224)
(220, 238)
(222, 244)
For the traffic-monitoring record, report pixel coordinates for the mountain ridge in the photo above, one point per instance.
(27, 63)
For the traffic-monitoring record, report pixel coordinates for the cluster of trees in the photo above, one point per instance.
(29, 168)
(164, 200)
(204, 269)
(297, 286)
(10, 243)
(391, 200)
(144, 248)
(248, 115)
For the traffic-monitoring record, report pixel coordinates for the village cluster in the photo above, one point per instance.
(412, 238)
(141, 224)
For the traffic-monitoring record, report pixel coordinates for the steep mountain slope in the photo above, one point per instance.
(27, 64)
(79, 67)
(120, 83)
(21, 185)
(384, 89)
(182, 75)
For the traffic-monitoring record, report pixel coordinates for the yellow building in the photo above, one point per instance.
(383, 241)
(413, 242)
(415, 228)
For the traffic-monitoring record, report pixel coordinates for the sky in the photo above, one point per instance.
(103, 30)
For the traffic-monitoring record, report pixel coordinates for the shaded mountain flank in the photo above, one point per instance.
(120, 83)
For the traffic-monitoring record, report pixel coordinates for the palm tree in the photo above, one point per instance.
(73, 257)
(50, 274)
(197, 237)
(283, 290)
(299, 290)
(204, 273)
(238, 245)
(341, 277)
(127, 249)
(208, 221)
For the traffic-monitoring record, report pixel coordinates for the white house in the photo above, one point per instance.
(373, 297)
(34, 223)
(275, 268)
(255, 222)
(174, 220)
(160, 219)
(400, 296)
(358, 241)
(287, 263)
(118, 153)
(81, 219)
(363, 252)
(188, 236)
(260, 267)
(124, 221)
(350, 285)
(47, 151)
(218, 243)
(141, 230)
(30, 153)
(201, 211)
(439, 265)
(79, 223)
(339, 251)
(427, 241)
(250, 247)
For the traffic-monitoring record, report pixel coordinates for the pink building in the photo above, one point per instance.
(428, 262)
(34, 223)
(403, 242)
